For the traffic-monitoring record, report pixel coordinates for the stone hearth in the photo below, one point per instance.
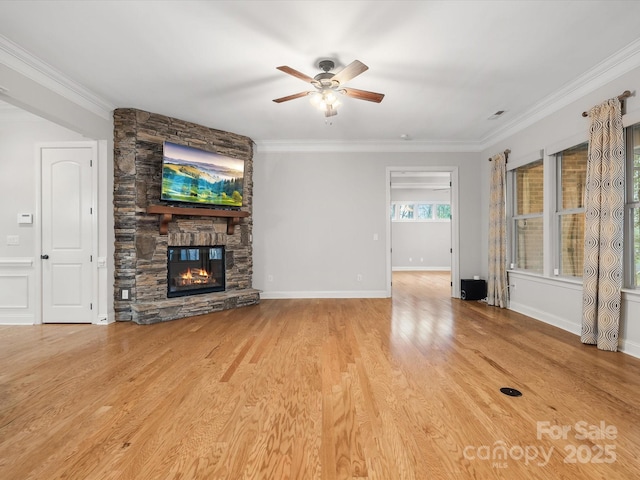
(140, 249)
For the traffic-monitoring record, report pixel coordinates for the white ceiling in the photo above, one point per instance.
(444, 66)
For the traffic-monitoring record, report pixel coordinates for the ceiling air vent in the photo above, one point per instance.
(498, 114)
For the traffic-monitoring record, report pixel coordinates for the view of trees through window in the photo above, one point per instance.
(420, 211)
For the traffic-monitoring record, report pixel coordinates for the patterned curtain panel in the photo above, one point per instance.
(604, 225)
(497, 282)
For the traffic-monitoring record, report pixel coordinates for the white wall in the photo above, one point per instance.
(72, 107)
(19, 133)
(316, 214)
(420, 245)
(545, 297)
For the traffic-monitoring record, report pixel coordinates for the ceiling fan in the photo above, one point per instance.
(329, 84)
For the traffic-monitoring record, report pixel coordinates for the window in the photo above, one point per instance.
(420, 211)
(633, 205)
(405, 212)
(571, 181)
(425, 211)
(526, 219)
(443, 211)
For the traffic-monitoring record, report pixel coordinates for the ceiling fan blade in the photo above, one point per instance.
(352, 70)
(363, 94)
(291, 97)
(296, 73)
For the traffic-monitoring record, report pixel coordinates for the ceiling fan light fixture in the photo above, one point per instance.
(328, 85)
(330, 111)
(325, 100)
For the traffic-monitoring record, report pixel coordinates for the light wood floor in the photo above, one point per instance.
(318, 389)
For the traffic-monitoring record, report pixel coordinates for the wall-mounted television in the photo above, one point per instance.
(196, 176)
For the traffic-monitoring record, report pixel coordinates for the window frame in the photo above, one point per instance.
(630, 205)
(560, 212)
(395, 210)
(514, 217)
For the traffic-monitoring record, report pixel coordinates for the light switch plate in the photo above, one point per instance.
(25, 218)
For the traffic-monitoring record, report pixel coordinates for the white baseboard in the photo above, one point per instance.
(267, 295)
(625, 346)
(104, 320)
(546, 317)
(421, 269)
(630, 348)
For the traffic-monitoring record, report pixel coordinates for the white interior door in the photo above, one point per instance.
(66, 234)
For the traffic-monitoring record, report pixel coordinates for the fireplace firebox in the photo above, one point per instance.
(195, 270)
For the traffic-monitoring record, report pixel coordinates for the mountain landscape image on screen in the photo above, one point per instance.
(195, 176)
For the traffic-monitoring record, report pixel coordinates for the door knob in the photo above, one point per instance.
(44, 257)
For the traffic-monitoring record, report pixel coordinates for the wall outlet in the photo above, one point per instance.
(13, 240)
(269, 278)
(359, 277)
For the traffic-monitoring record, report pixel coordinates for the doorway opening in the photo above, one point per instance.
(422, 223)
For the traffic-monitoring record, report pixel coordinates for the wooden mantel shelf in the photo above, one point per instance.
(233, 216)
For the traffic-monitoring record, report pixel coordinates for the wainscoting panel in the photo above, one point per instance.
(17, 291)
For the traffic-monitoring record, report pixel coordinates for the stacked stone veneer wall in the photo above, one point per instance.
(140, 250)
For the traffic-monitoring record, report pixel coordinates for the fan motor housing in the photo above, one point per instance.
(326, 65)
(326, 80)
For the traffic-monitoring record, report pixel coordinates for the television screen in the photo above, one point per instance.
(195, 176)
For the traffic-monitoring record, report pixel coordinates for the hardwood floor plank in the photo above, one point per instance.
(401, 388)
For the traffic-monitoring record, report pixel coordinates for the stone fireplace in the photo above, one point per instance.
(145, 240)
(195, 270)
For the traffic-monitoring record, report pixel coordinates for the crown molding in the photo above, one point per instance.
(625, 60)
(367, 146)
(23, 62)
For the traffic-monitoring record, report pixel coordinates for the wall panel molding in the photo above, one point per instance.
(17, 286)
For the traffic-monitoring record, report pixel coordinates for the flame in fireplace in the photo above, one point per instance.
(194, 277)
